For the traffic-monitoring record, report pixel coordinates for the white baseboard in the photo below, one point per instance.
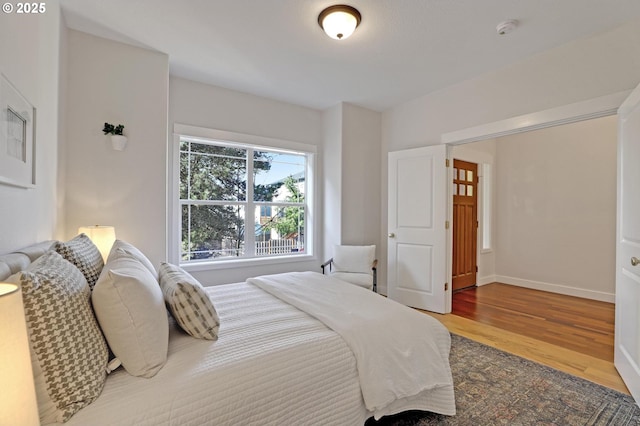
(557, 288)
(485, 280)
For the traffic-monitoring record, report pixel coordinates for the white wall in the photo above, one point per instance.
(479, 153)
(29, 58)
(556, 209)
(352, 190)
(117, 83)
(202, 105)
(360, 177)
(580, 70)
(332, 179)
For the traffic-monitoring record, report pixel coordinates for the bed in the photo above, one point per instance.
(282, 357)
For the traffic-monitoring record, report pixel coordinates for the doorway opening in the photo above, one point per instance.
(465, 224)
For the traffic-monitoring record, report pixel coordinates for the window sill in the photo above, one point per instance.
(245, 263)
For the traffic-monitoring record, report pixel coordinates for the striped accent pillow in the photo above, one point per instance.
(81, 251)
(188, 302)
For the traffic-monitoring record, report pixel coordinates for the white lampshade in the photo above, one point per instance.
(18, 404)
(339, 21)
(102, 236)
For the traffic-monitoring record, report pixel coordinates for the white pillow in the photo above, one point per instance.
(130, 309)
(122, 247)
(358, 259)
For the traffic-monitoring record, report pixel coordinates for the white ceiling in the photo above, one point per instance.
(402, 49)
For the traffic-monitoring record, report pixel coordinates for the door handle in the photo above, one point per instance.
(392, 235)
(635, 261)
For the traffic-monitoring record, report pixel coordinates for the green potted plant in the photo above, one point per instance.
(118, 140)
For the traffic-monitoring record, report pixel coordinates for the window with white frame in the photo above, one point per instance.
(242, 201)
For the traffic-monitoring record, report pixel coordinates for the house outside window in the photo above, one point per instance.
(241, 201)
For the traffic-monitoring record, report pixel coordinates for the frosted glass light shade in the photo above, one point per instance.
(102, 236)
(339, 21)
(18, 404)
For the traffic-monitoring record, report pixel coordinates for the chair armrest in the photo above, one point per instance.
(374, 268)
(327, 263)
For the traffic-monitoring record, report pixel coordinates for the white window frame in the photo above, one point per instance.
(247, 141)
(486, 180)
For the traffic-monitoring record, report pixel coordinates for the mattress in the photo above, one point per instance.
(272, 365)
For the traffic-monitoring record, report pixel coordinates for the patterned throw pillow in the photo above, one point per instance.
(188, 302)
(84, 254)
(68, 348)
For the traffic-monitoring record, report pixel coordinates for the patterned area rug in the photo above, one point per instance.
(496, 388)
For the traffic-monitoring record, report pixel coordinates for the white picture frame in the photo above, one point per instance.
(17, 137)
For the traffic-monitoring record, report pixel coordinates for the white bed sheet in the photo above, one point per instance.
(272, 365)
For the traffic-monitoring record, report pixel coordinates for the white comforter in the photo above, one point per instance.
(402, 355)
(272, 365)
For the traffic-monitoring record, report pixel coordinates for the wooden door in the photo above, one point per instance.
(627, 339)
(465, 224)
(417, 244)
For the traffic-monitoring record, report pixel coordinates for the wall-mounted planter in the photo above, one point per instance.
(118, 142)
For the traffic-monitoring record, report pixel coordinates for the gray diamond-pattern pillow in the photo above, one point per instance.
(64, 335)
(188, 302)
(81, 251)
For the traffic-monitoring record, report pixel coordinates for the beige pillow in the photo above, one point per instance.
(69, 354)
(358, 259)
(122, 247)
(81, 251)
(130, 308)
(188, 302)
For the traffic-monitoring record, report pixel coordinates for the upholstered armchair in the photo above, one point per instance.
(354, 264)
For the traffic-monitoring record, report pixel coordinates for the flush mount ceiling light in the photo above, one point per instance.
(339, 21)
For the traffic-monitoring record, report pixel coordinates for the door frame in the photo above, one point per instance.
(572, 113)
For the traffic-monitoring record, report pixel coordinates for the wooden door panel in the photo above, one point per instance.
(465, 230)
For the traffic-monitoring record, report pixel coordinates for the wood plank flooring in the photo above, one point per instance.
(570, 334)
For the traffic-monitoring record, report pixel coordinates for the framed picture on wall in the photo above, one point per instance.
(17, 137)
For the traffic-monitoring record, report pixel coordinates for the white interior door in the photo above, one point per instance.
(627, 337)
(417, 243)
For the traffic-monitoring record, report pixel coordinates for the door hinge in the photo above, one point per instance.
(477, 224)
(446, 162)
(446, 225)
(476, 268)
(446, 286)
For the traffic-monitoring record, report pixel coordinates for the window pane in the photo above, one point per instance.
(462, 173)
(469, 175)
(280, 232)
(209, 172)
(184, 175)
(210, 232)
(462, 190)
(278, 176)
(470, 190)
(455, 189)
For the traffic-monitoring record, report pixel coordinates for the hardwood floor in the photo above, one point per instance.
(570, 334)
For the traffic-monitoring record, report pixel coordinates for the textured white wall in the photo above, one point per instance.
(556, 208)
(581, 70)
(29, 58)
(117, 83)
